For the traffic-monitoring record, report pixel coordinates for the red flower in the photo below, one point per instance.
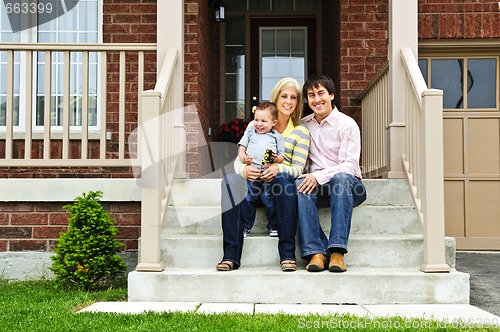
(232, 131)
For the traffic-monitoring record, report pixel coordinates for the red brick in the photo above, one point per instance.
(4, 218)
(15, 232)
(128, 232)
(28, 245)
(3, 245)
(59, 218)
(16, 207)
(49, 232)
(29, 219)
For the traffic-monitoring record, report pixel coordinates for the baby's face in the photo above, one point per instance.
(263, 121)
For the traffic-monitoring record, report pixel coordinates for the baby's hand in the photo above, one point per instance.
(278, 159)
(248, 160)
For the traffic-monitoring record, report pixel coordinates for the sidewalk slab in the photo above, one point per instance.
(313, 309)
(218, 308)
(461, 313)
(141, 307)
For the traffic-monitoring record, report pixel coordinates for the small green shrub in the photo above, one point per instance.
(87, 253)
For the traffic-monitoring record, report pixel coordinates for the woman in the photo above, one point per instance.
(287, 96)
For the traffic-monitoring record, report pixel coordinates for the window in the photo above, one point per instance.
(81, 24)
(468, 83)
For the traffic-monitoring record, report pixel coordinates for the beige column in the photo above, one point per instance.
(403, 32)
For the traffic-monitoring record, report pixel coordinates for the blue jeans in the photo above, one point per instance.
(343, 192)
(234, 204)
(259, 192)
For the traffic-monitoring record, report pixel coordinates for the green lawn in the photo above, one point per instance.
(37, 306)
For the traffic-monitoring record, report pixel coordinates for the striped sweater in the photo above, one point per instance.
(296, 150)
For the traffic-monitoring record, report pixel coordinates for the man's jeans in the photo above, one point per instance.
(343, 192)
(234, 191)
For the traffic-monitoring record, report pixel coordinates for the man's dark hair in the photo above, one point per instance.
(314, 81)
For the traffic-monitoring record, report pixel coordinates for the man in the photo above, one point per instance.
(333, 177)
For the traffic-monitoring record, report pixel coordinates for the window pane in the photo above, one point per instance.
(298, 41)
(282, 5)
(78, 25)
(235, 31)
(235, 59)
(481, 83)
(236, 4)
(283, 42)
(305, 5)
(234, 110)
(260, 4)
(268, 42)
(422, 64)
(447, 75)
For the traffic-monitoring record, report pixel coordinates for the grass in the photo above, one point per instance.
(38, 306)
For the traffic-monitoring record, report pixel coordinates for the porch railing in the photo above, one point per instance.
(161, 143)
(120, 72)
(423, 160)
(375, 112)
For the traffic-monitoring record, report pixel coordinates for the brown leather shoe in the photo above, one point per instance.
(337, 263)
(317, 263)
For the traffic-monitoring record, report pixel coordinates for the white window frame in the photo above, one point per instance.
(31, 35)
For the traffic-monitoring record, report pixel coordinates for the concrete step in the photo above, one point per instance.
(403, 251)
(271, 285)
(206, 192)
(366, 220)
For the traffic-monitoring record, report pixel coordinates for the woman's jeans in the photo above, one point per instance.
(234, 203)
(343, 192)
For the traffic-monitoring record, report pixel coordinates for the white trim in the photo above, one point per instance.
(65, 190)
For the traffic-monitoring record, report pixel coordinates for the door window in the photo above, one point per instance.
(282, 54)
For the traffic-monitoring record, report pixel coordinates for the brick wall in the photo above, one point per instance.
(363, 48)
(36, 226)
(444, 19)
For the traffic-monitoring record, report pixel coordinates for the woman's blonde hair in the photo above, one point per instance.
(285, 83)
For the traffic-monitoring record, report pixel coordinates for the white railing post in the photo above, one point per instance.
(432, 168)
(151, 180)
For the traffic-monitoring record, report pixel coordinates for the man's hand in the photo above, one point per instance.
(308, 184)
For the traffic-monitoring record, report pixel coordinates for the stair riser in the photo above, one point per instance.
(207, 192)
(366, 220)
(299, 287)
(380, 252)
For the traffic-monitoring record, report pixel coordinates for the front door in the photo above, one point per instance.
(279, 47)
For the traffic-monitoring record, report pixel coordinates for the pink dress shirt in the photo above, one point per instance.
(335, 146)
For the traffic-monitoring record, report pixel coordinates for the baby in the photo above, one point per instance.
(259, 146)
(263, 144)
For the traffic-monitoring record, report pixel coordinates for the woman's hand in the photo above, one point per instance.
(251, 173)
(269, 173)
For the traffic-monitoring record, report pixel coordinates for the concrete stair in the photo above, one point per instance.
(385, 252)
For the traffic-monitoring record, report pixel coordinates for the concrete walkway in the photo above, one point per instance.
(462, 315)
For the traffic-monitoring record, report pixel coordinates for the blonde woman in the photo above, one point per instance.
(287, 96)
